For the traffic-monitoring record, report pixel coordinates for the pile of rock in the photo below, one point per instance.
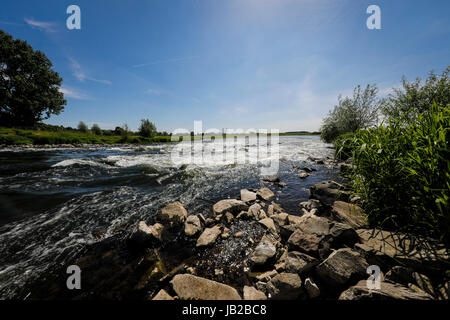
(323, 252)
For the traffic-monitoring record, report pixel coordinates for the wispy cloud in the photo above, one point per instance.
(41, 25)
(73, 93)
(81, 75)
(163, 61)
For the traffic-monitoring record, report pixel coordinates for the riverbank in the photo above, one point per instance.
(20, 137)
(252, 248)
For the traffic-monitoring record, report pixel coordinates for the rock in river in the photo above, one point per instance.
(247, 195)
(328, 192)
(189, 287)
(173, 213)
(265, 193)
(231, 205)
(144, 234)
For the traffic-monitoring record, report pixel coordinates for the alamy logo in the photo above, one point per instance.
(373, 282)
(74, 280)
(374, 21)
(74, 20)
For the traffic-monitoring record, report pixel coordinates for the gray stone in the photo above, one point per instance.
(349, 213)
(265, 193)
(269, 224)
(264, 251)
(285, 286)
(297, 262)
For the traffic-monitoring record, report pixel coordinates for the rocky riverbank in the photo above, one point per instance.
(251, 248)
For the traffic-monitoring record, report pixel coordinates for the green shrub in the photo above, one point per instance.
(403, 173)
(13, 139)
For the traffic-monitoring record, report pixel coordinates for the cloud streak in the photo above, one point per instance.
(73, 93)
(41, 25)
(163, 62)
(81, 75)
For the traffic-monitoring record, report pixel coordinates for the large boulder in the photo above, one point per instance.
(269, 225)
(305, 242)
(391, 248)
(349, 213)
(189, 287)
(264, 251)
(343, 267)
(251, 293)
(265, 194)
(192, 225)
(247, 195)
(285, 286)
(387, 291)
(328, 192)
(174, 214)
(208, 236)
(231, 205)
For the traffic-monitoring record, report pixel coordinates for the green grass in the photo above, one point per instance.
(10, 136)
(403, 173)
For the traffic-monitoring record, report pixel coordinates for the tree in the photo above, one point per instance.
(96, 129)
(416, 98)
(29, 88)
(82, 127)
(352, 113)
(147, 129)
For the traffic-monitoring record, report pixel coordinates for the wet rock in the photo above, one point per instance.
(297, 262)
(308, 169)
(282, 184)
(328, 192)
(208, 236)
(265, 194)
(247, 195)
(342, 267)
(145, 235)
(271, 179)
(285, 286)
(311, 288)
(189, 287)
(192, 225)
(251, 293)
(265, 251)
(350, 214)
(173, 214)
(231, 205)
(162, 295)
(303, 175)
(387, 291)
(269, 224)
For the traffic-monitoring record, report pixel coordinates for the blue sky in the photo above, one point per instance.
(232, 64)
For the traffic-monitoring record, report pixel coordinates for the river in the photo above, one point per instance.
(56, 201)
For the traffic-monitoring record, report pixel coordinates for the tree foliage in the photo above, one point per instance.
(147, 129)
(29, 88)
(415, 98)
(82, 127)
(96, 129)
(352, 113)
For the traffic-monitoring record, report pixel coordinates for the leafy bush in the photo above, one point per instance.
(414, 98)
(147, 129)
(403, 173)
(82, 127)
(352, 114)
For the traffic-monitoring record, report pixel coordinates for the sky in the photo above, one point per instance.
(273, 64)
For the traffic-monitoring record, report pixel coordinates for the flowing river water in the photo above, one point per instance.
(56, 201)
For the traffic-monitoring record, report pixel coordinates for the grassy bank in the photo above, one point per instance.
(11, 136)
